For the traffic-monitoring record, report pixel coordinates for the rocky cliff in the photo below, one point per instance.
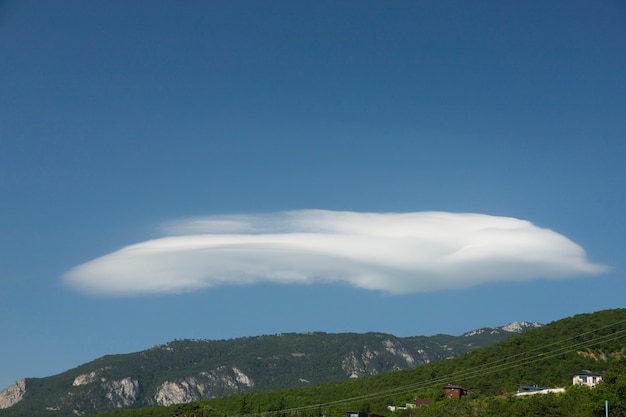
(13, 394)
(188, 370)
(222, 381)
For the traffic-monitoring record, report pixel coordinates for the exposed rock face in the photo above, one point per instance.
(351, 366)
(85, 379)
(423, 355)
(13, 394)
(181, 391)
(210, 384)
(90, 377)
(398, 350)
(122, 393)
(236, 366)
(358, 364)
(515, 327)
(520, 326)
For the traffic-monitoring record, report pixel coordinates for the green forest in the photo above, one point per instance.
(219, 368)
(546, 357)
(576, 401)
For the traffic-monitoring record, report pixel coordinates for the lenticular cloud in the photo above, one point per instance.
(396, 253)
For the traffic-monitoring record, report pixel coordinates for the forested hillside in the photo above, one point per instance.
(183, 371)
(547, 356)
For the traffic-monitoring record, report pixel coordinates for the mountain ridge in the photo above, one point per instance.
(185, 370)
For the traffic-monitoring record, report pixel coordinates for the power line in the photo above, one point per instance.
(509, 362)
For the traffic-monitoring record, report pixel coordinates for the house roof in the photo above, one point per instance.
(530, 388)
(587, 373)
(450, 386)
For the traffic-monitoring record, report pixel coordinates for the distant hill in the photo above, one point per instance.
(546, 357)
(189, 370)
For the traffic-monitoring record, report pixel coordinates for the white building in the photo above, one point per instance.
(587, 378)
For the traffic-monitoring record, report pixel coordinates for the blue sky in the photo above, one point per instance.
(435, 167)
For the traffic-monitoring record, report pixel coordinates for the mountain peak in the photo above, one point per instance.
(515, 327)
(520, 326)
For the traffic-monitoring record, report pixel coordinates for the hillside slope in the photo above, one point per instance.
(188, 370)
(547, 356)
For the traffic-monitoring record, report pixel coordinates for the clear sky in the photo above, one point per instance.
(213, 170)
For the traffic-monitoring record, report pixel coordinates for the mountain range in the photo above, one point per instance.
(183, 371)
(573, 366)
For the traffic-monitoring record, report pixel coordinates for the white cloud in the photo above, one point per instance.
(392, 252)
